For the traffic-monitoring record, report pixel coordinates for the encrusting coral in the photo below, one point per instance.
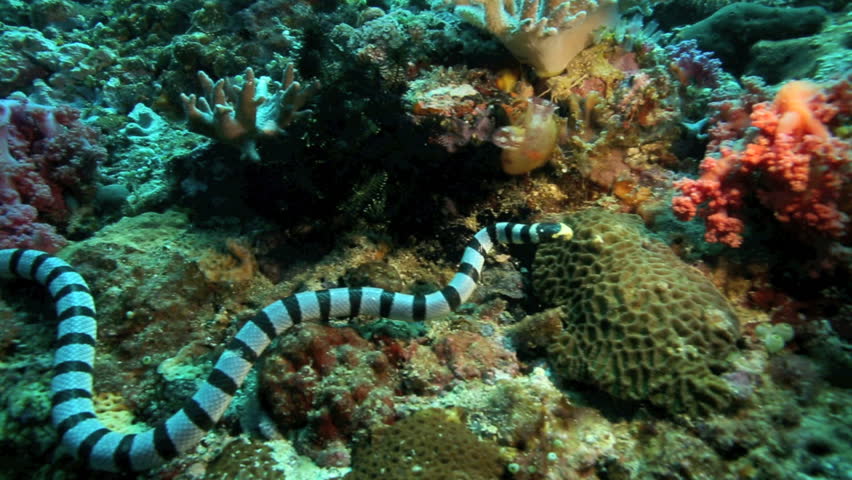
(239, 116)
(239, 265)
(545, 36)
(432, 443)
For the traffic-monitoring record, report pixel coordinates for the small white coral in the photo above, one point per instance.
(546, 34)
(239, 116)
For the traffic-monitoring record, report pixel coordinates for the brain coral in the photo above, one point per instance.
(637, 322)
(431, 444)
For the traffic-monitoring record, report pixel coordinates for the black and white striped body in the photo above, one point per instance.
(102, 449)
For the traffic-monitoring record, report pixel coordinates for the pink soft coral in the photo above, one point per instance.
(45, 153)
(796, 167)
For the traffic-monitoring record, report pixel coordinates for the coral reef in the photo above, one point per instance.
(333, 382)
(31, 57)
(637, 322)
(331, 385)
(693, 65)
(822, 56)
(397, 164)
(245, 459)
(624, 108)
(461, 101)
(144, 134)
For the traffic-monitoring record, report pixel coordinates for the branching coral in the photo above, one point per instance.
(546, 36)
(239, 116)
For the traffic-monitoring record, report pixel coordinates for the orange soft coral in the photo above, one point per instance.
(793, 103)
(794, 166)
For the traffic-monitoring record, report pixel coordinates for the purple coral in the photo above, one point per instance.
(461, 132)
(693, 65)
(45, 153)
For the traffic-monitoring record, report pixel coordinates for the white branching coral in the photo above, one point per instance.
(546, 34)
(239, 114)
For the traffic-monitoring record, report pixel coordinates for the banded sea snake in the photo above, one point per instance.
(102, 449)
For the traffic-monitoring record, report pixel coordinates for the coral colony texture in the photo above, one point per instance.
(426, 239)
(638, 322)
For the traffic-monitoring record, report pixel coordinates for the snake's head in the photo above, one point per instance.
(555, 231)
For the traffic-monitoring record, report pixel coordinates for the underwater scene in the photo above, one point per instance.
(426, 239)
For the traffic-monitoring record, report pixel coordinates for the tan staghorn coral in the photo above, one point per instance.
(636, 321)
(239, 115)
(546, 34)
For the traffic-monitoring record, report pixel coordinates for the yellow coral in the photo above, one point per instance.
(529, 144)
(115, 414)
(507, 79)
(239, 266)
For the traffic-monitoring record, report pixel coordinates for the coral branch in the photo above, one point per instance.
(240, 115)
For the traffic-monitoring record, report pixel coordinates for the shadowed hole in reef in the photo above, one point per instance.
(612, 408)
(733, 452)
(819, 447)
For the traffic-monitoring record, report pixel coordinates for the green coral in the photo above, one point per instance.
(244, 459)
(431, 444)
(637, 321)
(775, 336)
(25, 417)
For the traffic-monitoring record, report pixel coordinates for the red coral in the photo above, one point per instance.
(794, 165)
(331, 383)
(469, 356)
(45, 153)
